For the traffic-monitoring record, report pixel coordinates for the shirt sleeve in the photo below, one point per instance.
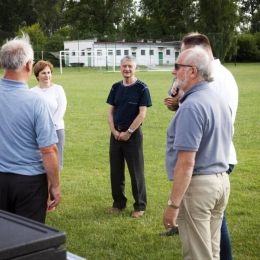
(188, 138)
(61, 105)
(44, 126)
(145, 99)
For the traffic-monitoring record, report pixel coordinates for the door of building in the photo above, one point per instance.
(160, 58)
(176, 55)
(89, 59)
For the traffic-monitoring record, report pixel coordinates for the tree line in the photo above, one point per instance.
(233, 26)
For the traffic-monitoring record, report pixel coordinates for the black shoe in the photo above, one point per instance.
(170, 232)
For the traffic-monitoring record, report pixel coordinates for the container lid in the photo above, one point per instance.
(22, 236)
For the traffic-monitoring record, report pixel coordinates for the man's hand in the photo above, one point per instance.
(55, 196)
(116, 134)
(171, 102)
(177, 92)
(124, 136)
(174, 91)
(170, 217)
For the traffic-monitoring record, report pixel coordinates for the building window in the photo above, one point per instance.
(118, 52)
(110, 53)
(142, 52)
(82, 53)
(99, 52)
(168, 52)
(73, 53)
(126, 52)
(151, 52)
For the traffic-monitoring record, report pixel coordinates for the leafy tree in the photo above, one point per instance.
(218, 20)
(55, 44)
(247, 10)
(247, 51)
(255, 22)
(167, 19)
(13, 14)
(49, 14)
(37, 37)
(249, 6)
(257, 38)
(66, 32)
(97, 18)
(136, 27)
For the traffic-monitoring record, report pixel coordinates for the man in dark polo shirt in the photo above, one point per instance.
(128, 101)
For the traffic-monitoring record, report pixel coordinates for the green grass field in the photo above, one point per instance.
(85, 179)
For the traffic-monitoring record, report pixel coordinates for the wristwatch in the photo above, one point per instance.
(172, 205)
(130, 130)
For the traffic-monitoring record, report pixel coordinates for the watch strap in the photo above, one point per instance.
(173, 206)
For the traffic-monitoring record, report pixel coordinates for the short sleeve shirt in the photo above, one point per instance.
(26, 126)
(127, 100)
(203, 125)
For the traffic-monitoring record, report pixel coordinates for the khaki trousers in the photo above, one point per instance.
(200, 216)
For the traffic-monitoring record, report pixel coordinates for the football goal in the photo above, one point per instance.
(111, 63)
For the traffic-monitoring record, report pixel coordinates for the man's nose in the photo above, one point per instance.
(174, 71)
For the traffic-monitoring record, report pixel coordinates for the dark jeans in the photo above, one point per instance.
(225, 243)
(130, 151)
(24, 195)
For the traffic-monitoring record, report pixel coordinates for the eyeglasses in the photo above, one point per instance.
(177, 66)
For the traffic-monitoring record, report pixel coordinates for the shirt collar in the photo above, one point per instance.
(197, 87)
(13, 83)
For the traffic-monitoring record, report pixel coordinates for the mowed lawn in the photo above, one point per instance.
(85, 178)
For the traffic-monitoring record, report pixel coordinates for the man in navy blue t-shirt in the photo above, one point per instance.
(128, 101)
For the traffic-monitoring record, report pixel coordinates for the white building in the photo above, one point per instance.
(90, 53)
(75, 51)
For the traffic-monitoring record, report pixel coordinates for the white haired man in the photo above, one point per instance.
(198, 143)
(225, 85)
(28, 153)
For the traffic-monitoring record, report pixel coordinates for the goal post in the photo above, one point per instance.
(83, 59)
(111, 63)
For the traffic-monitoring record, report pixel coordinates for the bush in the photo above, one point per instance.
(247, 48)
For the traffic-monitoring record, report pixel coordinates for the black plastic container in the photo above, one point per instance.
(25, 239)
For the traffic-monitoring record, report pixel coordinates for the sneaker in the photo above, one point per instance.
(113, 210)
(137, 214)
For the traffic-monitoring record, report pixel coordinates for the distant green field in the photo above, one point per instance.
(85, 179)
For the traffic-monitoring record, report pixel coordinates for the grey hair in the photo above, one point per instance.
(16, 53)
(128, 58)
(199, 58)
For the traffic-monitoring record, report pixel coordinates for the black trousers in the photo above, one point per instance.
(130, 151)
(24, 195)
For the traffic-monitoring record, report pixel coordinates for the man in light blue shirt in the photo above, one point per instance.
(28, 155)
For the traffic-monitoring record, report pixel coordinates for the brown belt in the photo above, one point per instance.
(121, 128)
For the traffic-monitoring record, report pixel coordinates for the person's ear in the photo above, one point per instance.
(194, 72)
(28, 65)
